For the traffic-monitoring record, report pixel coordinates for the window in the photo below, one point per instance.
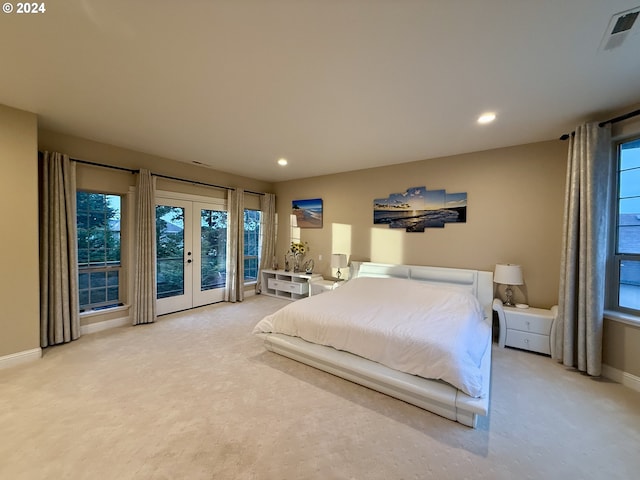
(98, 223)
(251, 244)
(625, 288)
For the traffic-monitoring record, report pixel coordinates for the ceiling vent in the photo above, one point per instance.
(619, 28)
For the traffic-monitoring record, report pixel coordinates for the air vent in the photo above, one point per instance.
(619, 28)
(624, 23)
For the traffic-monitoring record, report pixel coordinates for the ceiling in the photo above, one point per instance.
(330, 85)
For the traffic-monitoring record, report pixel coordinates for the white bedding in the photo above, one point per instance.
(426, 330)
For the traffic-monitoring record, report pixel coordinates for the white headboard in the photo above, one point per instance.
(477, 282)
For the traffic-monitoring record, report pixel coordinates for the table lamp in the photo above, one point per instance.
(338, 260)
(508, 274)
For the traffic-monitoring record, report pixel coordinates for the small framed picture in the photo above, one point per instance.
(308, 213)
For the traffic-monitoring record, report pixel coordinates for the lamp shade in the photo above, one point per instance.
(508, 274)
(338, 260)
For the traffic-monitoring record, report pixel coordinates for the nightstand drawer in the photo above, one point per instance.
(529, 323)
(528, 341)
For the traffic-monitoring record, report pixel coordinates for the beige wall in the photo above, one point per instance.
(83, 149)
(514, 214)
(515, 208)
(621, 346)
(19, 271)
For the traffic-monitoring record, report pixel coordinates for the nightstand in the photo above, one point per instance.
(317, 286)
(525, 328)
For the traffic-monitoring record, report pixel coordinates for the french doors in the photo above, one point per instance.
(191, 243)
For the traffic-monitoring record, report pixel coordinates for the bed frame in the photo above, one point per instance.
(433, 395)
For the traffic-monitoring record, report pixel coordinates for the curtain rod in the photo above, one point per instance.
(85, 162)
(201, 183)
(621, 118)
(131, 170)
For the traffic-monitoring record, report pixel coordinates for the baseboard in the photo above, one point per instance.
(20, 357)
(105, 325)
(619, 376)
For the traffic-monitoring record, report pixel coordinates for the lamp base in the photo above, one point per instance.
(509, 293)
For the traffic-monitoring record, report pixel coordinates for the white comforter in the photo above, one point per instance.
(421, 329)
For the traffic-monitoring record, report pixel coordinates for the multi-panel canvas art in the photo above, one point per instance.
(419, 208)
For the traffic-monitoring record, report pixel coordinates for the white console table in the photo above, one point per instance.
(289, 285)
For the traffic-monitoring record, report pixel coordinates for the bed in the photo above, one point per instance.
(389, 358)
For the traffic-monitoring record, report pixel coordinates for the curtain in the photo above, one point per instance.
(268, 229)
(59, 315)
(234, 291)
(144, 285)
(578, 335)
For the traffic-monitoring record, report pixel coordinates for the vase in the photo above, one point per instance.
(297, 262)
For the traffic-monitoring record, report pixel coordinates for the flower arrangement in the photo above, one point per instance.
(297, 251)
(299, 248)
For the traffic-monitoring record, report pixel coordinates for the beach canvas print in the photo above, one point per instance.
(419, 208)
(308, 212)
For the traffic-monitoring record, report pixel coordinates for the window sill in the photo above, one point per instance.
(625, 318)
(95, 313)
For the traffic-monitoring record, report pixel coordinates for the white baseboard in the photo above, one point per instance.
(20, 357)
(619, 376)
(105, 325)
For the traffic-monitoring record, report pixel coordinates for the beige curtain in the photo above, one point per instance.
(144, 287)
(234, 291)
(268, 230)
(578, 334)
(59, 315)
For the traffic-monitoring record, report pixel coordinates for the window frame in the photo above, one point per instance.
(614, 258)
(108, 267)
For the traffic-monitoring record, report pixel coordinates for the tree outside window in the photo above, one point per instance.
(98, 229)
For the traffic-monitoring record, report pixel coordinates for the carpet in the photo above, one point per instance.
(196, 396)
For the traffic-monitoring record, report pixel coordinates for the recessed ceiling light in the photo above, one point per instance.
(487, 117)
(282, 162)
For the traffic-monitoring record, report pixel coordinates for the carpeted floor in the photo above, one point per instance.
(195, 396)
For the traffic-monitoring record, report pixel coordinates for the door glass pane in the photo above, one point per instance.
(251, 244)
(170, 250)
(213, 248)
(630, 284)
